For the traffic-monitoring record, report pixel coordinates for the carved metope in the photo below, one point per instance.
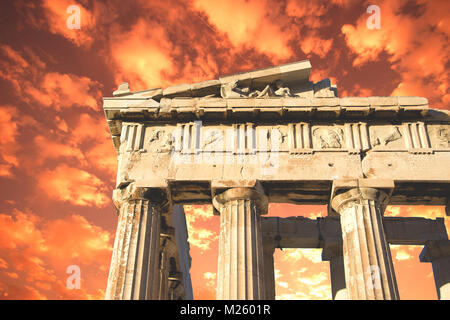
(247, 142)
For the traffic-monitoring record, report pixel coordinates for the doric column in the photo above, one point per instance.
(240, 273)
(333, 254)
(369, 272)
(269, 274)
(438, 253)
(134, 267)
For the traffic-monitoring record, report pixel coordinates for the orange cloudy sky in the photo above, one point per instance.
(57, 162)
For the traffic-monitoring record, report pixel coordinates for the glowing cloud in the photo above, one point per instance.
(73, 185)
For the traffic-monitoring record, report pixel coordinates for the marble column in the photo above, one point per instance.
(369, 272)
(333, 254)
(240, 273)
(438, 253)
(134, 267)
(269, 272)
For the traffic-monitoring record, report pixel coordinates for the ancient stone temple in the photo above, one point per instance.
(271, 135)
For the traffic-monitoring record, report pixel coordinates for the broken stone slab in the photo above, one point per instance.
(205, 88)
(181, 89)
(291, 72)
(154, 94)
(122, 90)
(212, 103)
(412, 101)
(199, 89)
(383, 101)
(354, 102)
(296, 102)
(325, 102)
(184, 102)
(241, 103)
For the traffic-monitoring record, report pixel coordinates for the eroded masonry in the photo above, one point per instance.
(271, 135)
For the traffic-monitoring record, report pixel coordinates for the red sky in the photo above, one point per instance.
(57, 162)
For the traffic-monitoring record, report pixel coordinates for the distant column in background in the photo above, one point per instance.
(438, 253)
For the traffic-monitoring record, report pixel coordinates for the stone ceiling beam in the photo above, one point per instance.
(301, 232)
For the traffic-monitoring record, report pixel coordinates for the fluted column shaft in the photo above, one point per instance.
(134, 265)
(240, 273)
(369, 271)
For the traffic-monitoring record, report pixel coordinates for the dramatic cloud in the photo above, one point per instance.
(35, 85)
(75, 186)
(315, 279)
(37, 252)
(62, 14)
(402, 252)
(246, 24)
(311, 14)
(50, 149)
(142, 55)
(416, 43)
(56, 154)
(210, 278)
(8, 147)
(301, 279)
(66, 90)
(316, 45)
(198, 220)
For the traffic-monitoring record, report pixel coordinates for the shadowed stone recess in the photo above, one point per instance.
(269, 272)
(332, 252)
(438, 253)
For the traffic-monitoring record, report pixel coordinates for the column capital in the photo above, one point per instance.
(257, 196)
(131, 192)
(435, 249)
(358, 195)
(342, 185)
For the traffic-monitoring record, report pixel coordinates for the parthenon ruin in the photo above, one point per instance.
(272, 136)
